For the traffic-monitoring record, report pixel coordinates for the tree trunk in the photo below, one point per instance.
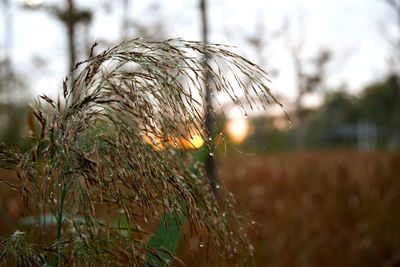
(70, 23)
(208, 117)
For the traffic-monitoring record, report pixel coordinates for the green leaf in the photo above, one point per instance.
(171, 225)
(167, 237)
(123, 225)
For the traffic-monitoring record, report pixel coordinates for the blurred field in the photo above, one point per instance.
(334, 208)
(328, 208)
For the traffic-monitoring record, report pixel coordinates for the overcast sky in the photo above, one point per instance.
(352, 29)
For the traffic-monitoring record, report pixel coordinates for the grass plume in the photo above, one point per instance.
(113, 144)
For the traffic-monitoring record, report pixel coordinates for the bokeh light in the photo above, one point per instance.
(33, 3)
(238, 129)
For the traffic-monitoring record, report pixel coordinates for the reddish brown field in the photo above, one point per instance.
(336, 208)
(332, 208)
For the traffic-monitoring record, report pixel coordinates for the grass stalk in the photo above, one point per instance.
(60, 224)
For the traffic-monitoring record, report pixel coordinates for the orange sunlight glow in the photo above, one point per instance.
(238, 128)
(194, 141)
(154, 141)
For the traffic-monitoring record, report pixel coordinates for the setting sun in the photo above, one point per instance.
(195, 141)
(238, 129)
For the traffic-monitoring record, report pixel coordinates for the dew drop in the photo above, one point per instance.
(211, 154)
(201, 245)
(217, 186)
(253, 222)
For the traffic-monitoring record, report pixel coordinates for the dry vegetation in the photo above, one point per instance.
(321, 209)
(332, 208)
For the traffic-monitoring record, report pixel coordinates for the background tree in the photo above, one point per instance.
(379, 104)
(334, 123)
(394, 6)
(209, 117)
(393, 79)
(13, 89)
(306, 83)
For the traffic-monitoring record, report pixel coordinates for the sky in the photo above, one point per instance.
(352, 29)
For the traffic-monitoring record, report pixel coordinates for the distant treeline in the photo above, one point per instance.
(367, 121)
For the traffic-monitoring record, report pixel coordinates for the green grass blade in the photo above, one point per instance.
(171, 225)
